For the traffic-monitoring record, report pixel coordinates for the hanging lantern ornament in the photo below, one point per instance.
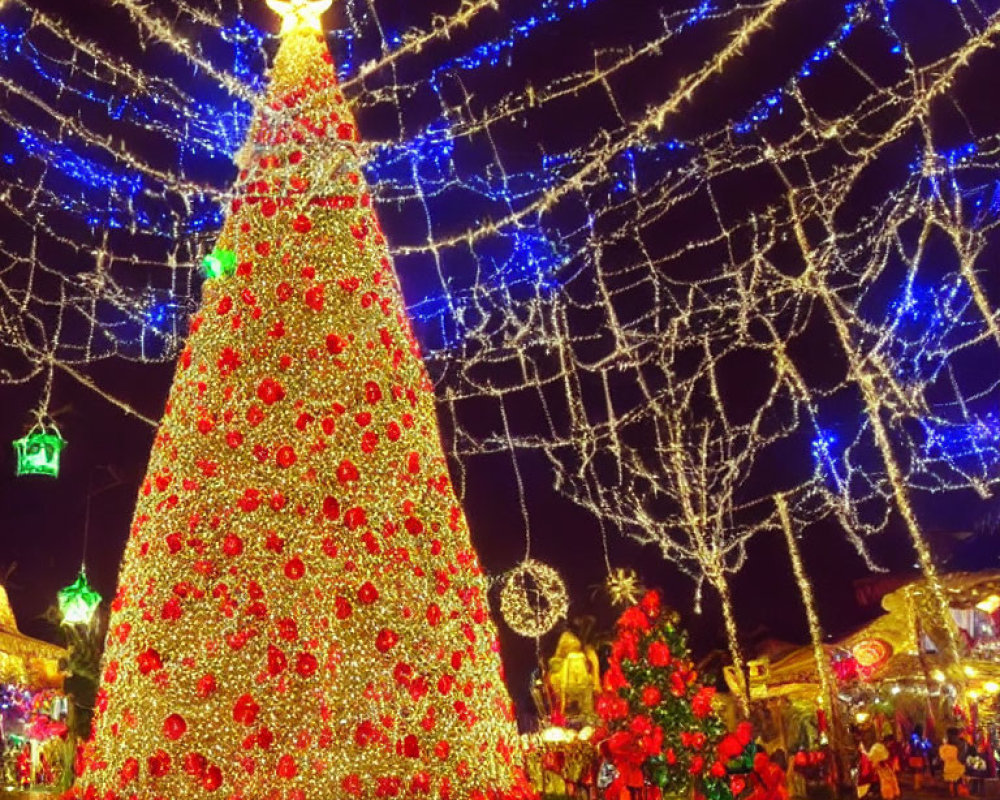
(533, 599)
(219, 263)
(38, 452)
(623, 587)
(78, 602)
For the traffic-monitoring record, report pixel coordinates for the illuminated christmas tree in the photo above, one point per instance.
(300, 612)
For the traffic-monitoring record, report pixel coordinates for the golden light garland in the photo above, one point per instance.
(533, 599)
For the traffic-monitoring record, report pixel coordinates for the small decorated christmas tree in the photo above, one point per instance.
(659, 727)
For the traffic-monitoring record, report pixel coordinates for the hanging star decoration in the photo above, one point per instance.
(297, 14)
(78, 601)
(624, 587)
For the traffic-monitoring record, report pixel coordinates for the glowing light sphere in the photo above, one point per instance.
(533, 599)
(39, 451)
(299, 13)
(78, 602)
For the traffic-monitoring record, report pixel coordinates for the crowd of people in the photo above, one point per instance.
(956, 760)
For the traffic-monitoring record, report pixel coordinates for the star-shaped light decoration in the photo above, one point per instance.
(623, 587)
(297, 14)
(78, 601)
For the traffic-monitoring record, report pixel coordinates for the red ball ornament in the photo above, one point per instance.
(294, 568)
(270, 391)
(411, 747)
(314, 298)
(342, 608)
(286, 456)
(335, 344)
(355, 517)
(347, 472)
(212, 779)
(174, 727)
(287, 767)
(232, 545)
(158, 764)
(149, 661)
(386, 640)
(367, 594)
(245, 710)
(331, 508)
(306, 664)
(372, 392)
(276, 660)
(206, 686)
(195, 764)
(302, 224)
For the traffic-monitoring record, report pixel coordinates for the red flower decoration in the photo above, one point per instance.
(701, 703)
(744, 733)
(658, 654)
(729, 748)
(634, 619)
(650, 604)
(651, 696)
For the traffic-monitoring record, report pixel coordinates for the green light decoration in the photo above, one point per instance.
(78, 602)
(39, 451)
(219, 263)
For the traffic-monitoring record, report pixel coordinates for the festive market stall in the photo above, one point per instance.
(33, 708)
(892, 676)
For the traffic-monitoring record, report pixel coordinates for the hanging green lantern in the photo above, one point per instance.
(219, 263)
(78, 601)
(38, 452)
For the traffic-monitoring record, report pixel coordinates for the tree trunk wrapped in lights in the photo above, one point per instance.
(300, 612)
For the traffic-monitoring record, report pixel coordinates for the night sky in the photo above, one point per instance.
(42, 521)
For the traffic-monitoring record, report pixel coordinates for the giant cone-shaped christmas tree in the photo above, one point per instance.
(301, 615)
